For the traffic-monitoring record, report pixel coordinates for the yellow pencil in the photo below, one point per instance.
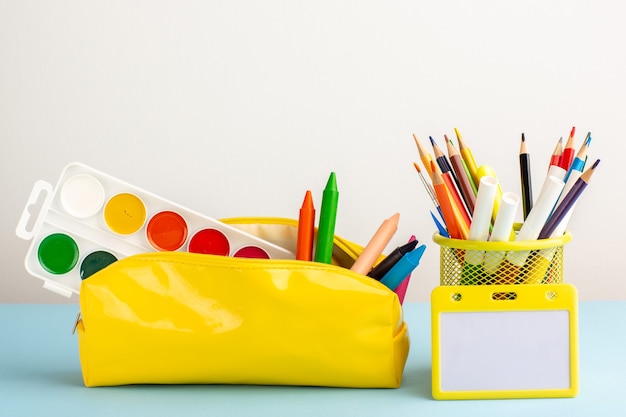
(468, 157)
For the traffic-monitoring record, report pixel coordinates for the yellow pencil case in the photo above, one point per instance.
(184, 318)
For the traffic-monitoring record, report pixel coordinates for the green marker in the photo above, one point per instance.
(326, 227)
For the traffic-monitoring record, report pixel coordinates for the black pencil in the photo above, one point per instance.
(527, 189)
(440, 157)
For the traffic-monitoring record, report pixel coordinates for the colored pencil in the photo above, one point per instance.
(570, 199)
(568, 151)
(457, 228)
(468, 157)
(425, 157)
(440, 227)
(555, 158)
(440, 157)
(578, 164)
(467, 190)
(527, 188)
(456, 197)
(451, 180)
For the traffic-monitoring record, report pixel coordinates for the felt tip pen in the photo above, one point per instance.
(538, 216)
(501, 231)
(328, 217)
(481, 222)
(403, 268)
(485, 170)
(390, 260)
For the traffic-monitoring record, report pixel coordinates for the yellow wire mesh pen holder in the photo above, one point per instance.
(465, 262)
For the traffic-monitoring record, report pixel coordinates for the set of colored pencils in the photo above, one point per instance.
(470, 202)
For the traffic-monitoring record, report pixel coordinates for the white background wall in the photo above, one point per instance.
(236, 108)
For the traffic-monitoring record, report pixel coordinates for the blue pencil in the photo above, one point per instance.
(581, 157)
(442, 230)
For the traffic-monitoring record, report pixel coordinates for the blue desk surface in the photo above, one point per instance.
(40, 376)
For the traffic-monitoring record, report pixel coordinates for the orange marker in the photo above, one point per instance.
(306, 226)
(376, 245)
(424, 155)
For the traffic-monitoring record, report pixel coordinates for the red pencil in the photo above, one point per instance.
(555, 159)
(568, 152)
(306, 227)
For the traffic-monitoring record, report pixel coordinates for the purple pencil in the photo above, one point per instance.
(567, 203)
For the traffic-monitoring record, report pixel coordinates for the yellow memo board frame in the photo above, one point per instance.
(504, 341)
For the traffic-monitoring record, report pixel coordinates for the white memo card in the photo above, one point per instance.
(504, 341)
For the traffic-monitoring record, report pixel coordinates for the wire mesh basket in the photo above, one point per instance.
(465, 262)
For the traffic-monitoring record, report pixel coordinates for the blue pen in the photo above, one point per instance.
(442, 230)
(403, 268)
(578, 164)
